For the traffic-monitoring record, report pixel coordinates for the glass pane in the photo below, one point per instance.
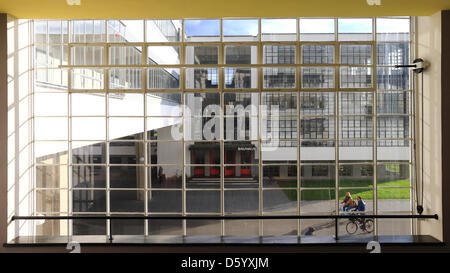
(88, 128)
(355, 103)
(392, 53)
(316, 151)
(317, 128)
(88, 104)
(88, 152)
(356, 77)
(279, 152)
(51, 177)
(125, 78)
(126, 153)
(356, 176)
(236, 103)
(355, 29)
(48, 104)
(394, 150)
(393, 175)
(356, 54)
(318, 77)
(125, 31)
(278, 30)
(279, 54)
(238, 228)
(127, 104)
(318, 176)
(394, 227)
(163, 104)
(127, 177)
(127, 226)
(283, 102)
(317, 201)
(51, 152)
(244, 201)
(51, 201)
(282, 176)
(241, 152)
(163, 30)
(203, 228)
(165, 227)
(201, 103)
(279, 128)
(317, 103)
(88, 31)
(203, 201)
(87, 78)
(40, 31)
(202, 78)
(316, 29)
(241, 54)
(202, 54)
(163, 55)
(389, 78)
(127, 201)
(89, 176)
(366, 195)
(393, 102)
(165, 176)
(163, 78)
(202, 30)
(241, 176)
(164, 129)
(394, 199)
(89, 200)
(202, 153)
(279, 77)
(393, 29)
(280, 201)
(240, 127)
(88, 227)
(393, 126)
(87, 55)
(203, 177)
(240, 78)
(126, 128)
(164, 201)
(165, 152)
(317, 54)
(50, 128)
(356, 150)
(356, 127)
(125, 55)
(240, 30)
(277, 228)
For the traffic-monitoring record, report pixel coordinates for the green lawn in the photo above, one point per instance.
(365, 194)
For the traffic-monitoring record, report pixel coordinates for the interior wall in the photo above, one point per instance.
(428, 47)
(19, 162)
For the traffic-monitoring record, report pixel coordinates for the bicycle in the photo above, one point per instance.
(362, 223)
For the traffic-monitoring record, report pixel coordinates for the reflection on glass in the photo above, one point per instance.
(125, 78)
(355, 103)
(165, 227)
(88, 104)
(240, 30)
(163, 30)
(127, 104)
(203, 201)
(89, 128)
(393, 127)
(51, 177)
(317, 128)
(126, 153)
(202, 54)
(89, 200)
(317, 103)
(165, 152)
(127, 177)
(278, 30)
(389, 78)
(356, 77)
(393, 102)
(317, 54)
(316, 29)
(245, 201)
(165, 176)
(202, 78)
(51, 152)
(317, 77)
(125, 55)
(202, 30)
(163, 55)
(164, 129)
(164, 201)
(279, 77)
(392, 53)
(88, 152)
(88, 226)
(279, 54)
(240, 78)
(241, 54)
(127, 201)
(356, 54)
(89, 176)
(163, 78)
(127, 226)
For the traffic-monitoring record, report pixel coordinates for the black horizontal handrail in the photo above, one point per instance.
(349, 215)
(227, 217)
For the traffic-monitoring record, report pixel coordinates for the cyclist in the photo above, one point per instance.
(361, 207)
(348, 202)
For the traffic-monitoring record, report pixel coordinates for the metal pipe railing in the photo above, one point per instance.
(228, 217)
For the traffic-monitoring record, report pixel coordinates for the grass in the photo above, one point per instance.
(365, 190)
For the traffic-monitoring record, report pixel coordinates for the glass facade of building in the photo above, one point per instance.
(221, 117)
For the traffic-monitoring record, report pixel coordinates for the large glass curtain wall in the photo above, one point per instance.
(221, 117)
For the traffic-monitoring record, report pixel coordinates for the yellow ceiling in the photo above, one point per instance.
(120, 9)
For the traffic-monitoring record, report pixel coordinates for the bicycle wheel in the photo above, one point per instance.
(369, 225)
(351, 227)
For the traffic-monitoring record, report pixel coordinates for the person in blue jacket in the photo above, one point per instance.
(361, 207)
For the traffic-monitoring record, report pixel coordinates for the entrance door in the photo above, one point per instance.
(230, 158)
